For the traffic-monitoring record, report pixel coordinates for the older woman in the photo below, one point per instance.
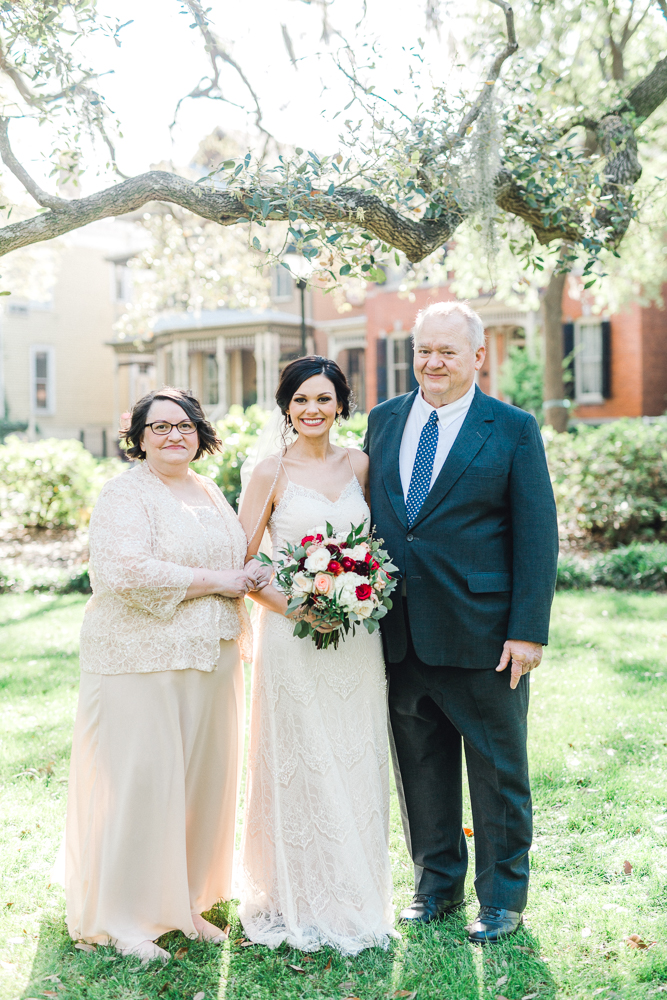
(158, 734)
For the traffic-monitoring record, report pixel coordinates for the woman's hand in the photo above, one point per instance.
(232, 583)
(301, 614)
(259, 575)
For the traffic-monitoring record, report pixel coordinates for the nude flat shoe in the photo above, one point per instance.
(206, 931)
(147, 951)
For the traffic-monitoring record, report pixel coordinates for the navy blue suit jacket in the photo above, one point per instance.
(480, 559)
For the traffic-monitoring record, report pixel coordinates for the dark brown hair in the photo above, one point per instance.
(297, 372)
(206, 434)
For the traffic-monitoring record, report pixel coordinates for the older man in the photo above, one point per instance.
(460, 492)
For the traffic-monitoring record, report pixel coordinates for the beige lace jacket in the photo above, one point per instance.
(144, 544)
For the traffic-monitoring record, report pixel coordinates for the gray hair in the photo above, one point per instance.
(474, 323)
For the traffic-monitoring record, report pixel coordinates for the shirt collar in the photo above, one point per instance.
(448, 413)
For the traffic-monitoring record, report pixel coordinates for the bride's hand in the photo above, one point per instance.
(258, 574)
(302, 614)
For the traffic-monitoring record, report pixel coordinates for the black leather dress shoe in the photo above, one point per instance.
(423, 909)
(493, 924)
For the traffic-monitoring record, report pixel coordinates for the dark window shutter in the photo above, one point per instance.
(382, 369)
(413, 383)
(568, 353)
(606, 359)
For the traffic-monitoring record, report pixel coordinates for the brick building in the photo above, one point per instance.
(618, 362)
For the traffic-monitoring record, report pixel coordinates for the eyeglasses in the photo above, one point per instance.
(162, 427)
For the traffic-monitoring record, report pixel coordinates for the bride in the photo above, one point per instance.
(314, 854)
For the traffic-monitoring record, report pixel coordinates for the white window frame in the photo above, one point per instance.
(121, 276)
(587, 398)
(280, 272)
(50, 381)
(392, 365)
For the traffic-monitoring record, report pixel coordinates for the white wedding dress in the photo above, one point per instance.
(314, 860)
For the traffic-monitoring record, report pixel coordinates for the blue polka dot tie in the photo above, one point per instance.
(422, 470)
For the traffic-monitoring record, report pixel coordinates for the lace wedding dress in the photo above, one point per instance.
(314, 856)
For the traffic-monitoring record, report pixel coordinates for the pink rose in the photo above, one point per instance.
(311, 549)
(323, 584)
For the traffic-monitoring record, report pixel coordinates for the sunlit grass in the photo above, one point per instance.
(599, 757)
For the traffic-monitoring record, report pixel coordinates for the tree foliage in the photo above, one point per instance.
(402, 179)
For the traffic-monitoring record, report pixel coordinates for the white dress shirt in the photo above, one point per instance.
(450, 421)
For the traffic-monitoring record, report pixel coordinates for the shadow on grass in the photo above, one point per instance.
(56, 604)
(231, 971)
(438, 962)
(49, 673)
(514, 969)
(60, 968)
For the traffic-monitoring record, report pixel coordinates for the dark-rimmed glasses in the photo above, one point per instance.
(163, 427)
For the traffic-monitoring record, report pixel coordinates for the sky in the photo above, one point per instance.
(161, 59)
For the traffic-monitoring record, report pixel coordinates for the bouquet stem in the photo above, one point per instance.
(325, 639)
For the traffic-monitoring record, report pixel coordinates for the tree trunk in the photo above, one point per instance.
(555, 415)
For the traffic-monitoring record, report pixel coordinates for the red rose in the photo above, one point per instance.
(347, 564)
(367, 557)
(307, 540)
(363, 591)
(319, 538)
(335, 567)
(375, 564)
(334, 550)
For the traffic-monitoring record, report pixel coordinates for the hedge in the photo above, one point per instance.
(610, 482)
(50, 483)
(631, 567)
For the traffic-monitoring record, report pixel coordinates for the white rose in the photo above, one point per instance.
(358, 553)
(363, 608)
(318, 562)
(301, 584)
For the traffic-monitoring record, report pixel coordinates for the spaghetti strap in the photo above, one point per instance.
(347, 452)
(284, 470)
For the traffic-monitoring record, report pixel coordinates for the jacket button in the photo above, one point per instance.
(410, 537)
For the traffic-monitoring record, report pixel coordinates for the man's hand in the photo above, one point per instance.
(524, 656)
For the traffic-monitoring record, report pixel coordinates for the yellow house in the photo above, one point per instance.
(56, 368)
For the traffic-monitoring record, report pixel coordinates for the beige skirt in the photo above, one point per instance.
(153, 788)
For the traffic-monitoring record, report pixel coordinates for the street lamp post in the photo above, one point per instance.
(302, 284)
(301, 269)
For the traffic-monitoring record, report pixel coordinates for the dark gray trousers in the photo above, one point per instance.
(432, 711)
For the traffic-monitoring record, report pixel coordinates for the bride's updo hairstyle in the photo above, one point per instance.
(297, 372)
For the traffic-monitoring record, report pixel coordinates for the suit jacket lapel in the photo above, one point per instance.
(391, 447)
(474, 432)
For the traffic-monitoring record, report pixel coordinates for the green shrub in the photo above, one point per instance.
(610, 482)
(50, 483)
(573, 573)
(521, 380)
(634, 567)
(631, 567)
(20, 578)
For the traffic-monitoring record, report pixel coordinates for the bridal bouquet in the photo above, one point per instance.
(339, 581)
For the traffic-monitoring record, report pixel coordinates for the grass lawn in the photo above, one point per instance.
(599, 867)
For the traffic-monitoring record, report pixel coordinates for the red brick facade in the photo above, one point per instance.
(636, 381)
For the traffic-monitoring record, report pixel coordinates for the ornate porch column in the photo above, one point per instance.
(221, 359)
(267, 360)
